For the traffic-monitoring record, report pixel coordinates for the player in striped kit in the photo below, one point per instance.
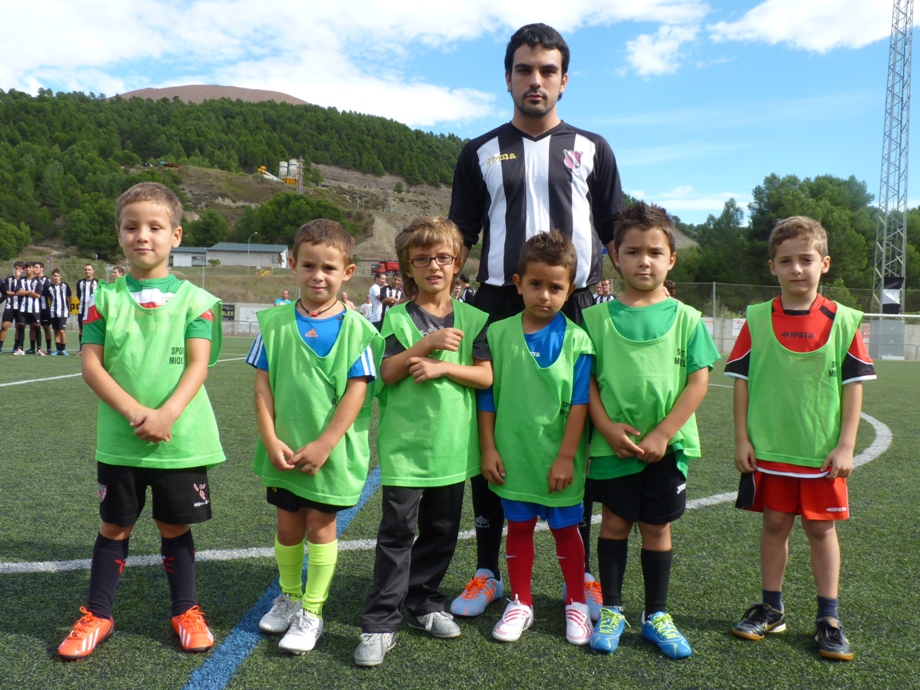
(29, 312)
(57, 297)
(10, 289)
(86, 286)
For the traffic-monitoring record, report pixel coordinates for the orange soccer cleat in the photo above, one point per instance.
(193, 632)
(86, 633)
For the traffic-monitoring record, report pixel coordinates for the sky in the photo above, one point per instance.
(700, 101)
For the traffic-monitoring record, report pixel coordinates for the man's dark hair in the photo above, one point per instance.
(537, 35)
(464, 278)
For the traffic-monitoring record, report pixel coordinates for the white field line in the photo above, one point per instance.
(876, 448)
(70, 376)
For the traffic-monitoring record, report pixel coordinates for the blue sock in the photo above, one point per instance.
(827, 608)
(774, 599)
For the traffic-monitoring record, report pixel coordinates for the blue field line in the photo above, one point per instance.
(226, 658)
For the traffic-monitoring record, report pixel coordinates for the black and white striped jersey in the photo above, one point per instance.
(40, 284)
(85, 290)
(510, 186)
(11, 284)
(58, 297)
(27, 303)
(598, 299)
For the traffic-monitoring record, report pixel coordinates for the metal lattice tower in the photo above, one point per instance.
(891, 234)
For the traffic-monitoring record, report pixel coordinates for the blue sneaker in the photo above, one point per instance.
(659, 628)
(64, 353)
(479, 592)
(610, 626)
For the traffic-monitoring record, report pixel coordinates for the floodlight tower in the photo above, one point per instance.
(891, 233)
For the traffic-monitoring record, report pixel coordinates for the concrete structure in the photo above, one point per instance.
(245, 254)
(189, 256)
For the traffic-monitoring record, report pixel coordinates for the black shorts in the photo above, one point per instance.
(44, 317)
(656, 496)
(503, 302)
(26, 319)
(291, 502)
(9, 315)
(180, 497)
(58, 323)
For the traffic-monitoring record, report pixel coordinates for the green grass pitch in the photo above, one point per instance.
(48, 513)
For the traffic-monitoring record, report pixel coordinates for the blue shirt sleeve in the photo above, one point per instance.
(582, 382)
(485, 400)
(364, 366)
(257, 357)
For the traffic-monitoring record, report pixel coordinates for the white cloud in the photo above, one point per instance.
(813, 25)
(658, 53)
(687, 198)
(342, 54)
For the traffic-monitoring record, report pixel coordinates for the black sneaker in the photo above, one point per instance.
(759, 620)
(831, 642)
(30, 351)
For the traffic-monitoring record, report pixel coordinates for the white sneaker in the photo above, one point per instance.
(374, 647)
(515, 620)
(279, 618)
(301, 637)
(578, 628)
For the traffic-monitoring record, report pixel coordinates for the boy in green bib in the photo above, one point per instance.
(653, 360)
(436, 357)
(148, 339)
(532, 430)
(795, 449)
(315, 366)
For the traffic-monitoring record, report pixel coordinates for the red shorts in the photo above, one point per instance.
(815, 499)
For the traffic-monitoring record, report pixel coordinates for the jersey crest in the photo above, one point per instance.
(572, 159)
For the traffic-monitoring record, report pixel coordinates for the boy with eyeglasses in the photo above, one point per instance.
(435, 356)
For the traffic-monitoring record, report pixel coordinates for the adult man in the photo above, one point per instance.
(86, 287)
(390, 294)
(284, 299)
(531, 175)
(10, 289)
(44, 313)
(467, 293)
(603, 293)
(380, 282)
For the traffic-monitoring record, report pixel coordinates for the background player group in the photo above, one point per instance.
(639, 369)
(34, 301)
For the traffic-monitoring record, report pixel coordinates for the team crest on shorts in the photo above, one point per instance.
(200, 489)
(102, 491)
(572, 159)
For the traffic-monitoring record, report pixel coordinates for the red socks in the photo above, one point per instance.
(519, 552)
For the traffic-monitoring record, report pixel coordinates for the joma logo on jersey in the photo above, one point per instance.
(176, 355)
(501, 157)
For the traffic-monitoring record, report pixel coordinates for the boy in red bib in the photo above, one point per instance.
(796, 451)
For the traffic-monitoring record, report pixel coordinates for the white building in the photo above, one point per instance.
(245, 254)
(188, 256)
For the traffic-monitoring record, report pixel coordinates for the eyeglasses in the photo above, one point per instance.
(425, 261)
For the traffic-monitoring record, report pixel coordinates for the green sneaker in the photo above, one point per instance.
(759, 620)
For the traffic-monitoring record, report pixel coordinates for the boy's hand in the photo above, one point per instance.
(619, 438)
(492, 467)
(425, 368)
(156, 426)
(311, 457)
(444, 339)
(280, 455)
(561, 474)
(653, 447)
(745, 458)
(839, 463)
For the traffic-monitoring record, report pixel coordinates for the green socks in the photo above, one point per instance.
(290, 568)
(320, 568)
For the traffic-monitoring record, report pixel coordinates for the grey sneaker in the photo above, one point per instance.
(374, 647)
(279, 618)
(437, 624)
(301, 637)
